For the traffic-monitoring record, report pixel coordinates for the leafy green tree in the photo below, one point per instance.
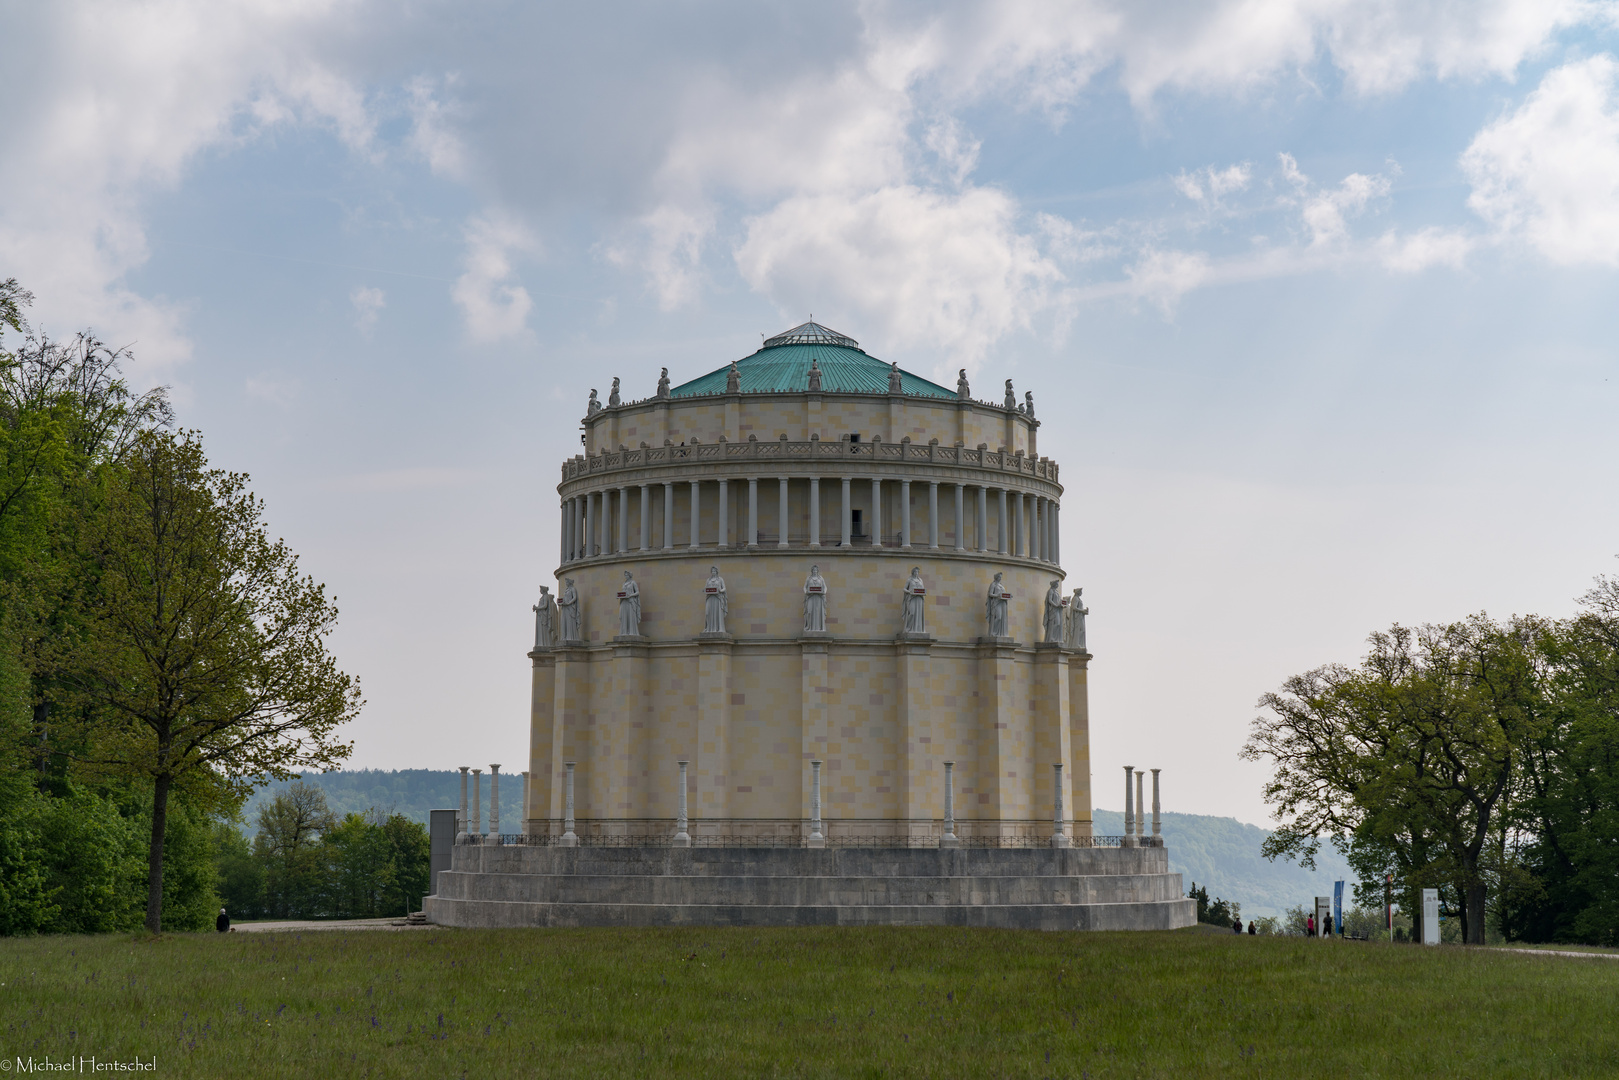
(410, 862)
(288, 847)
(27, 899)
(92, 855)
(204, 659)
(240, 876)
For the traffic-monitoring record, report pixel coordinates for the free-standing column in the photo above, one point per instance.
(983, 518)
(668, 516)
(725, 514)
(696, 490)
(1037, 524)
(590, 524)
(1129, 814)
(624, 520)
(523, 821)
(1059, 823)
(753, 511)
(1141, 818)
(816, 840)
(815, 511)
(682, 837)
(562, 517)
(646, 516)
(781, 541)
(904, 513)
(848, 514)
(1157, 824)
(461, 826)
(604, 519)
(961, 524)
(876, 512)
(949, 837)
(569, 839)
(1003, 522)
(494, 801)
(477, 802)
(933, 514)
(1056, 533)
(1020, 520)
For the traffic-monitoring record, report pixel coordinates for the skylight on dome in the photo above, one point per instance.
(811, 333)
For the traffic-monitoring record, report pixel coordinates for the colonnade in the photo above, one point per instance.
(597, 522)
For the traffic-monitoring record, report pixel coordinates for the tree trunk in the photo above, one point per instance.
(154, 864)
(1473, 915)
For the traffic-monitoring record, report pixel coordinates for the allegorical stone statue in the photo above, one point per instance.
(815, 601)
(545, 620)
(915, 611)
(963, 391)
(1055, 630)
(995, 607)
(1076, 621)
(629, 607)
(733, 380)
(612, 395)
(1011, 395)
(663, 384)
(568, 608)
(814, 375)
(894, 384)
(1028, 406)
(593, 406)
(715, 606)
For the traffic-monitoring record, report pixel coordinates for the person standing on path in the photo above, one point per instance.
(222, 923)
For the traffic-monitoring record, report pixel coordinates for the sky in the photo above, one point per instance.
(1316, 298)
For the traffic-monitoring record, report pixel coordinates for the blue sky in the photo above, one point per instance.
(1316, 297)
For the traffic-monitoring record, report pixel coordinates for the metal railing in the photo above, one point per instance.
(787, 833)
(813, 450)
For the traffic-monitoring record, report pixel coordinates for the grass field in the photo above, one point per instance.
(803, 1002)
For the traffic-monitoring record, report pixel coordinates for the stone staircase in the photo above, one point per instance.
(1028, 888)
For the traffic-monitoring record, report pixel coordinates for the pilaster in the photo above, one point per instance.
(1079, 741)
(628, 733)
(920, 738)
(993, 788)
(570, 701)
(1053, 735)
(814, 705)
(541, 718)
(713, 725)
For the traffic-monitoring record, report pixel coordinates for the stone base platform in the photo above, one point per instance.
(1029, 888)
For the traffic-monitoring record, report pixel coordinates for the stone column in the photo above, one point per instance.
(725, 514)
(961, 524)
(1141, 818)
(461, 826)
(933, 514)
(781, 513)
(904, 513)
(1036, 524)
(624, 519)
(1129, 814)
(983, 519)
(1002, 530)
(1056, 533)
(1157, 823)
(816, 840)
(876, 512)
(562, 517)
(815, 511)
(848, 512)
(494, 802)
(605, 519)
(668, 516)
(1020, 519)
(646, 517)
(753, 512)
(590, 524)
(477, 803)
(1059, 828)
(696, 493)
(682, 838)
(568, 838)
(523, 821)
(948, 840)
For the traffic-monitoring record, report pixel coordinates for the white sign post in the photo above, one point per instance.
(1430, 916)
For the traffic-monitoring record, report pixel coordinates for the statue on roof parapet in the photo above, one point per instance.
(894, 385)
(1028, 397)
(612, 395)
(733, 380)
(1011, 395)
(814, 375)
(663, 384)
(593, 406)
(963, 391)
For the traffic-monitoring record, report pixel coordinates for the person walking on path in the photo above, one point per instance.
(1236, 926)
(1309, 926)
(222, 923)
(1251, 931)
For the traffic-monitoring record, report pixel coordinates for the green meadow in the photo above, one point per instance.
(832, 1002)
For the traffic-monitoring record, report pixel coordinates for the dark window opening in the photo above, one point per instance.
(854, 519)
(854, 436)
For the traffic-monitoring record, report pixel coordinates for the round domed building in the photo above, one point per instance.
(809, 605)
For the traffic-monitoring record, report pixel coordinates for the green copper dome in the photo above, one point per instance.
(783, 363)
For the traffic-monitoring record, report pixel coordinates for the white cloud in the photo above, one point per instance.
(1165, 276)
(1325, 212)
(950, 270)
(1548, 173)
(493, 307)
(368, 303)
(1432, 246)
(1210, 185)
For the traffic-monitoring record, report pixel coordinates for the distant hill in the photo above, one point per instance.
(1220, 853)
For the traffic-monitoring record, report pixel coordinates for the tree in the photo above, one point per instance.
(1408, 761)
(204, 659)
(288, 847)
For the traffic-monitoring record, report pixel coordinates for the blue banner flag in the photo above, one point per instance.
(1338, 907)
